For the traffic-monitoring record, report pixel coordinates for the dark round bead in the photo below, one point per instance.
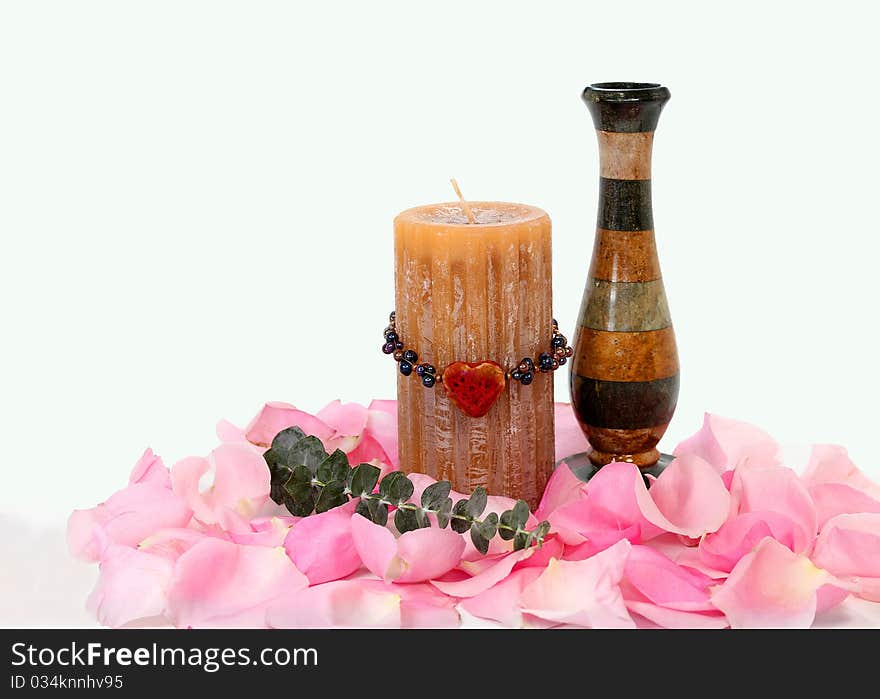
(555, 323)
(420, 369)
(559, 341)
(388, 347)
(391, 336)
(398, 345)
(429, 369)
(527, 363)
(410, 356)
(428, 380)
(526, 378)
(555, 365)
(398, 354)
(516, 374)
(569, 351)
(392, 316)
(561, 360)
(405, 367)
(545, 361)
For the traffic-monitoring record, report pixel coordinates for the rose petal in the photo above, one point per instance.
(241, 482)
(416, 556)
(562, 488)
(770, 587)
(501, 601)
(688, 498)
(132, 585)
(830, 463)
(570, 437)
(130, 515)
(486, 578)
(227, 432)
(848, 547)
(607, 509)
(832, 499)
(649, 576)
(322, 547)
(676, 619)
(150, 469)
(276, 416)
(726, 443)
(345, 418)
(382, 426)
(583, 593)
(220, 584)
(776, 489)
(738, 536)
(424, 607)
(341, 603)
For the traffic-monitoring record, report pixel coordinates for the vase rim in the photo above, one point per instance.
(626, 92)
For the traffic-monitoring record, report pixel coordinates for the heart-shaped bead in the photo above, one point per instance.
(473, 386)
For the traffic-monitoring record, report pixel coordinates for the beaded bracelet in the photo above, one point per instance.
(475, 386)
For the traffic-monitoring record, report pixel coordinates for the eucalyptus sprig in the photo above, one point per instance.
(306, 479)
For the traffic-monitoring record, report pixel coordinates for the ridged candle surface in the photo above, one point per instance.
(624, 378)
(475, 292)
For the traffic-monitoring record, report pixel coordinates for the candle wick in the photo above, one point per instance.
(464, 205)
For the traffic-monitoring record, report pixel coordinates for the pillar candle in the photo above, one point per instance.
(474, 288)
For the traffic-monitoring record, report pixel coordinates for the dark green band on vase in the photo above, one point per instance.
(625, 205)
(626, 405)
(625, 107)
(625, 306)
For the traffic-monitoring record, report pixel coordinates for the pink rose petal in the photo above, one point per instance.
(738, 536)
(275, 417)
(830, 463)
(416, 556)
(341, 603)
(770, 587)
(848, 547)
(689, 498)
(130, 515)
(150, 469)
(345, 418)
(220, 584)
(832, 499)
(608, 509)
(666, 618)
(382, 426)
(240, 482)
(501, 601)
(313, 538)
(486, 578)
(776, 489)
(581, 593)
(132, 586)
(652, 577)
(726, 444)
(562, 488)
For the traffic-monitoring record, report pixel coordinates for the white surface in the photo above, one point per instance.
(196, 203)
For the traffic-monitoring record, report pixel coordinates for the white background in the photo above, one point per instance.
(196, 202)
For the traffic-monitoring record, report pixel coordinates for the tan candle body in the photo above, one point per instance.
(476, 292)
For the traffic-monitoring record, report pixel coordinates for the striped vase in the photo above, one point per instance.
(624, 378)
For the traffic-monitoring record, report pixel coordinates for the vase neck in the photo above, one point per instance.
(625, 107)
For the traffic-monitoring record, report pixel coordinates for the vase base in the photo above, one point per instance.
(584, 469)
(644, 460)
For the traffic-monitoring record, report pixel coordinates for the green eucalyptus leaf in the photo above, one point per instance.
(539, 533)
(406, 520)
(304, 506)
(396, 488)
(281, 445)
(460, 525)
(331, 496)
(443, 512)
(363, 479)
(482, 532)
(436, 494)
(520, 541)
(299, 487)
(520, 516)
(373, 510)
(477, 502)
(506, 520)
(309, 452)
(334, 468)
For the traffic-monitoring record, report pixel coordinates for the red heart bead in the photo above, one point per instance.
(473, 386)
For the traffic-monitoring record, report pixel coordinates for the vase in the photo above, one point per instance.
(625, 373)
